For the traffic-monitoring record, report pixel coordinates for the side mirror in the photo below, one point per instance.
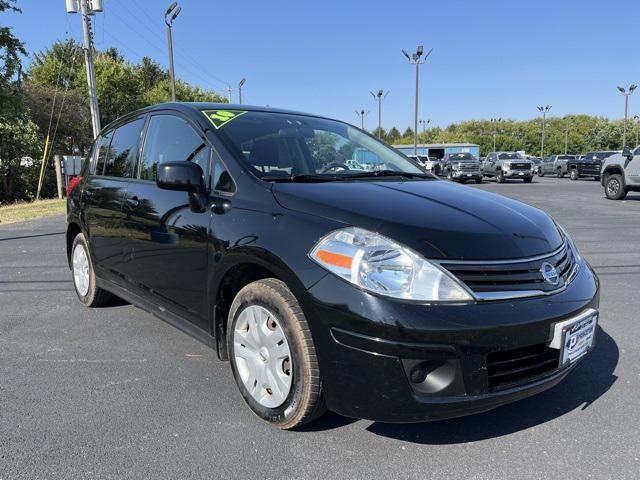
(626, 152)
(181, 176)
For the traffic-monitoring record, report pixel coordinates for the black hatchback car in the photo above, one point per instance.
(379, 293)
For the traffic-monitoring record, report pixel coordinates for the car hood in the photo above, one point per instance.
(436, 218)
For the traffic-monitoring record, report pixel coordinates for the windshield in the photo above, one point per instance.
(276, 145)
(454, 157)
(510, 156)
(566, 157)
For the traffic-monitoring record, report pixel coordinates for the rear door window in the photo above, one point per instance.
(123, 150)
(103, 151)
(170, 139)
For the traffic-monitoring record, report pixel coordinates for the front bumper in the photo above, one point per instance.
(462, 175)
(517, 173)
(368, 347)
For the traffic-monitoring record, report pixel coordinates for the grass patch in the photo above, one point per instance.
(19, 212)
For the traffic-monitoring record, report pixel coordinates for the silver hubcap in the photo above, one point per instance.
(81, 269)
(262, 356)
(613, 186)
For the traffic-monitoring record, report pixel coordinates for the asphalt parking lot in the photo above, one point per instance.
(116, 393)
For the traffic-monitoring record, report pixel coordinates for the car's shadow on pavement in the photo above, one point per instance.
(588, 382)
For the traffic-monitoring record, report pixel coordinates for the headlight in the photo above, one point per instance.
(380, 265)
(569, 240)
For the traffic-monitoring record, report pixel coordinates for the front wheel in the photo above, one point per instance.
(500, 177)
(450, 176)
(272, 355)
(478, 180)
(559, 173)
(540, 172)
(527, 179)
(614, 187)
(574, 175)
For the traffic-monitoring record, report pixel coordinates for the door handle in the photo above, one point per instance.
(132, 203)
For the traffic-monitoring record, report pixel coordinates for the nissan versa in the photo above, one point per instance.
(384, 294)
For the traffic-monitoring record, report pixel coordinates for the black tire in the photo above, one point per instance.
(574, 175)
(527, 179)
(559, 173)
(614, 187)
(450, 176)
(478, 180)
(540, 172)
(500, 177)
(95, 297)
(305, 401)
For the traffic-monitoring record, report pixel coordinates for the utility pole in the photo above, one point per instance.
(637, 119)
(229, 93)
(362, 114)
(566, 138)
(415, 59)
(169, 16)
(494, 122)
(88, 8)
(379, 96)
(240, 84)
(543, 110)
(626, 109)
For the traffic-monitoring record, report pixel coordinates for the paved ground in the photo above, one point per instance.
(116, 393)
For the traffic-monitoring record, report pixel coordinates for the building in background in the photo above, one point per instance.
(439, 150)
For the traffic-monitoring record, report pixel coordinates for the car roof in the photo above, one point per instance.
(191, 108)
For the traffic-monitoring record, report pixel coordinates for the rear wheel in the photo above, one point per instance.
(574, 175)
(272, 355)
(614, 187)
(84, 277)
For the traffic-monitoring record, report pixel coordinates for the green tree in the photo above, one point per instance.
(11, 50)
(393, 136)
(18, 139)
(161, 92)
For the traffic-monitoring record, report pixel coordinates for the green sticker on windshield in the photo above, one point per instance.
(219, 118)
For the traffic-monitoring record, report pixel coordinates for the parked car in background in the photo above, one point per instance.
(589, 165)
(620, 173)
(460, 167)
(504, 165)
(545, 167)
(430, 164)
(556, 164)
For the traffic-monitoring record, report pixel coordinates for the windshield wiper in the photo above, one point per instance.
(386, 173)
(300, 177)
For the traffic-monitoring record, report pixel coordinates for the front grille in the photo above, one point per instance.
(589, 168)
(468, 168)
(520, 166)
(516, 276)
(509, 368)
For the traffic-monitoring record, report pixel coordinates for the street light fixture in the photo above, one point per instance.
(543, 110)
(380, 96)
(362, 114)
(169, 16)
(240, 84)
(626, 94)
(415, 59)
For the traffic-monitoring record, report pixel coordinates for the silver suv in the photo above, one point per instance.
(620, 174)
(504, 165)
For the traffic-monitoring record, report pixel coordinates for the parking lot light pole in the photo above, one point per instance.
(495, 121)
(543, 110)
(169, 16)
(637, 119)
(424, 124)
(566, 138)
(626, 94)
(362, 114)
(380, 96)
(415, 59)
(240, 84)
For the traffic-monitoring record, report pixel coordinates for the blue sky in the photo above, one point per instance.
(490, 58)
